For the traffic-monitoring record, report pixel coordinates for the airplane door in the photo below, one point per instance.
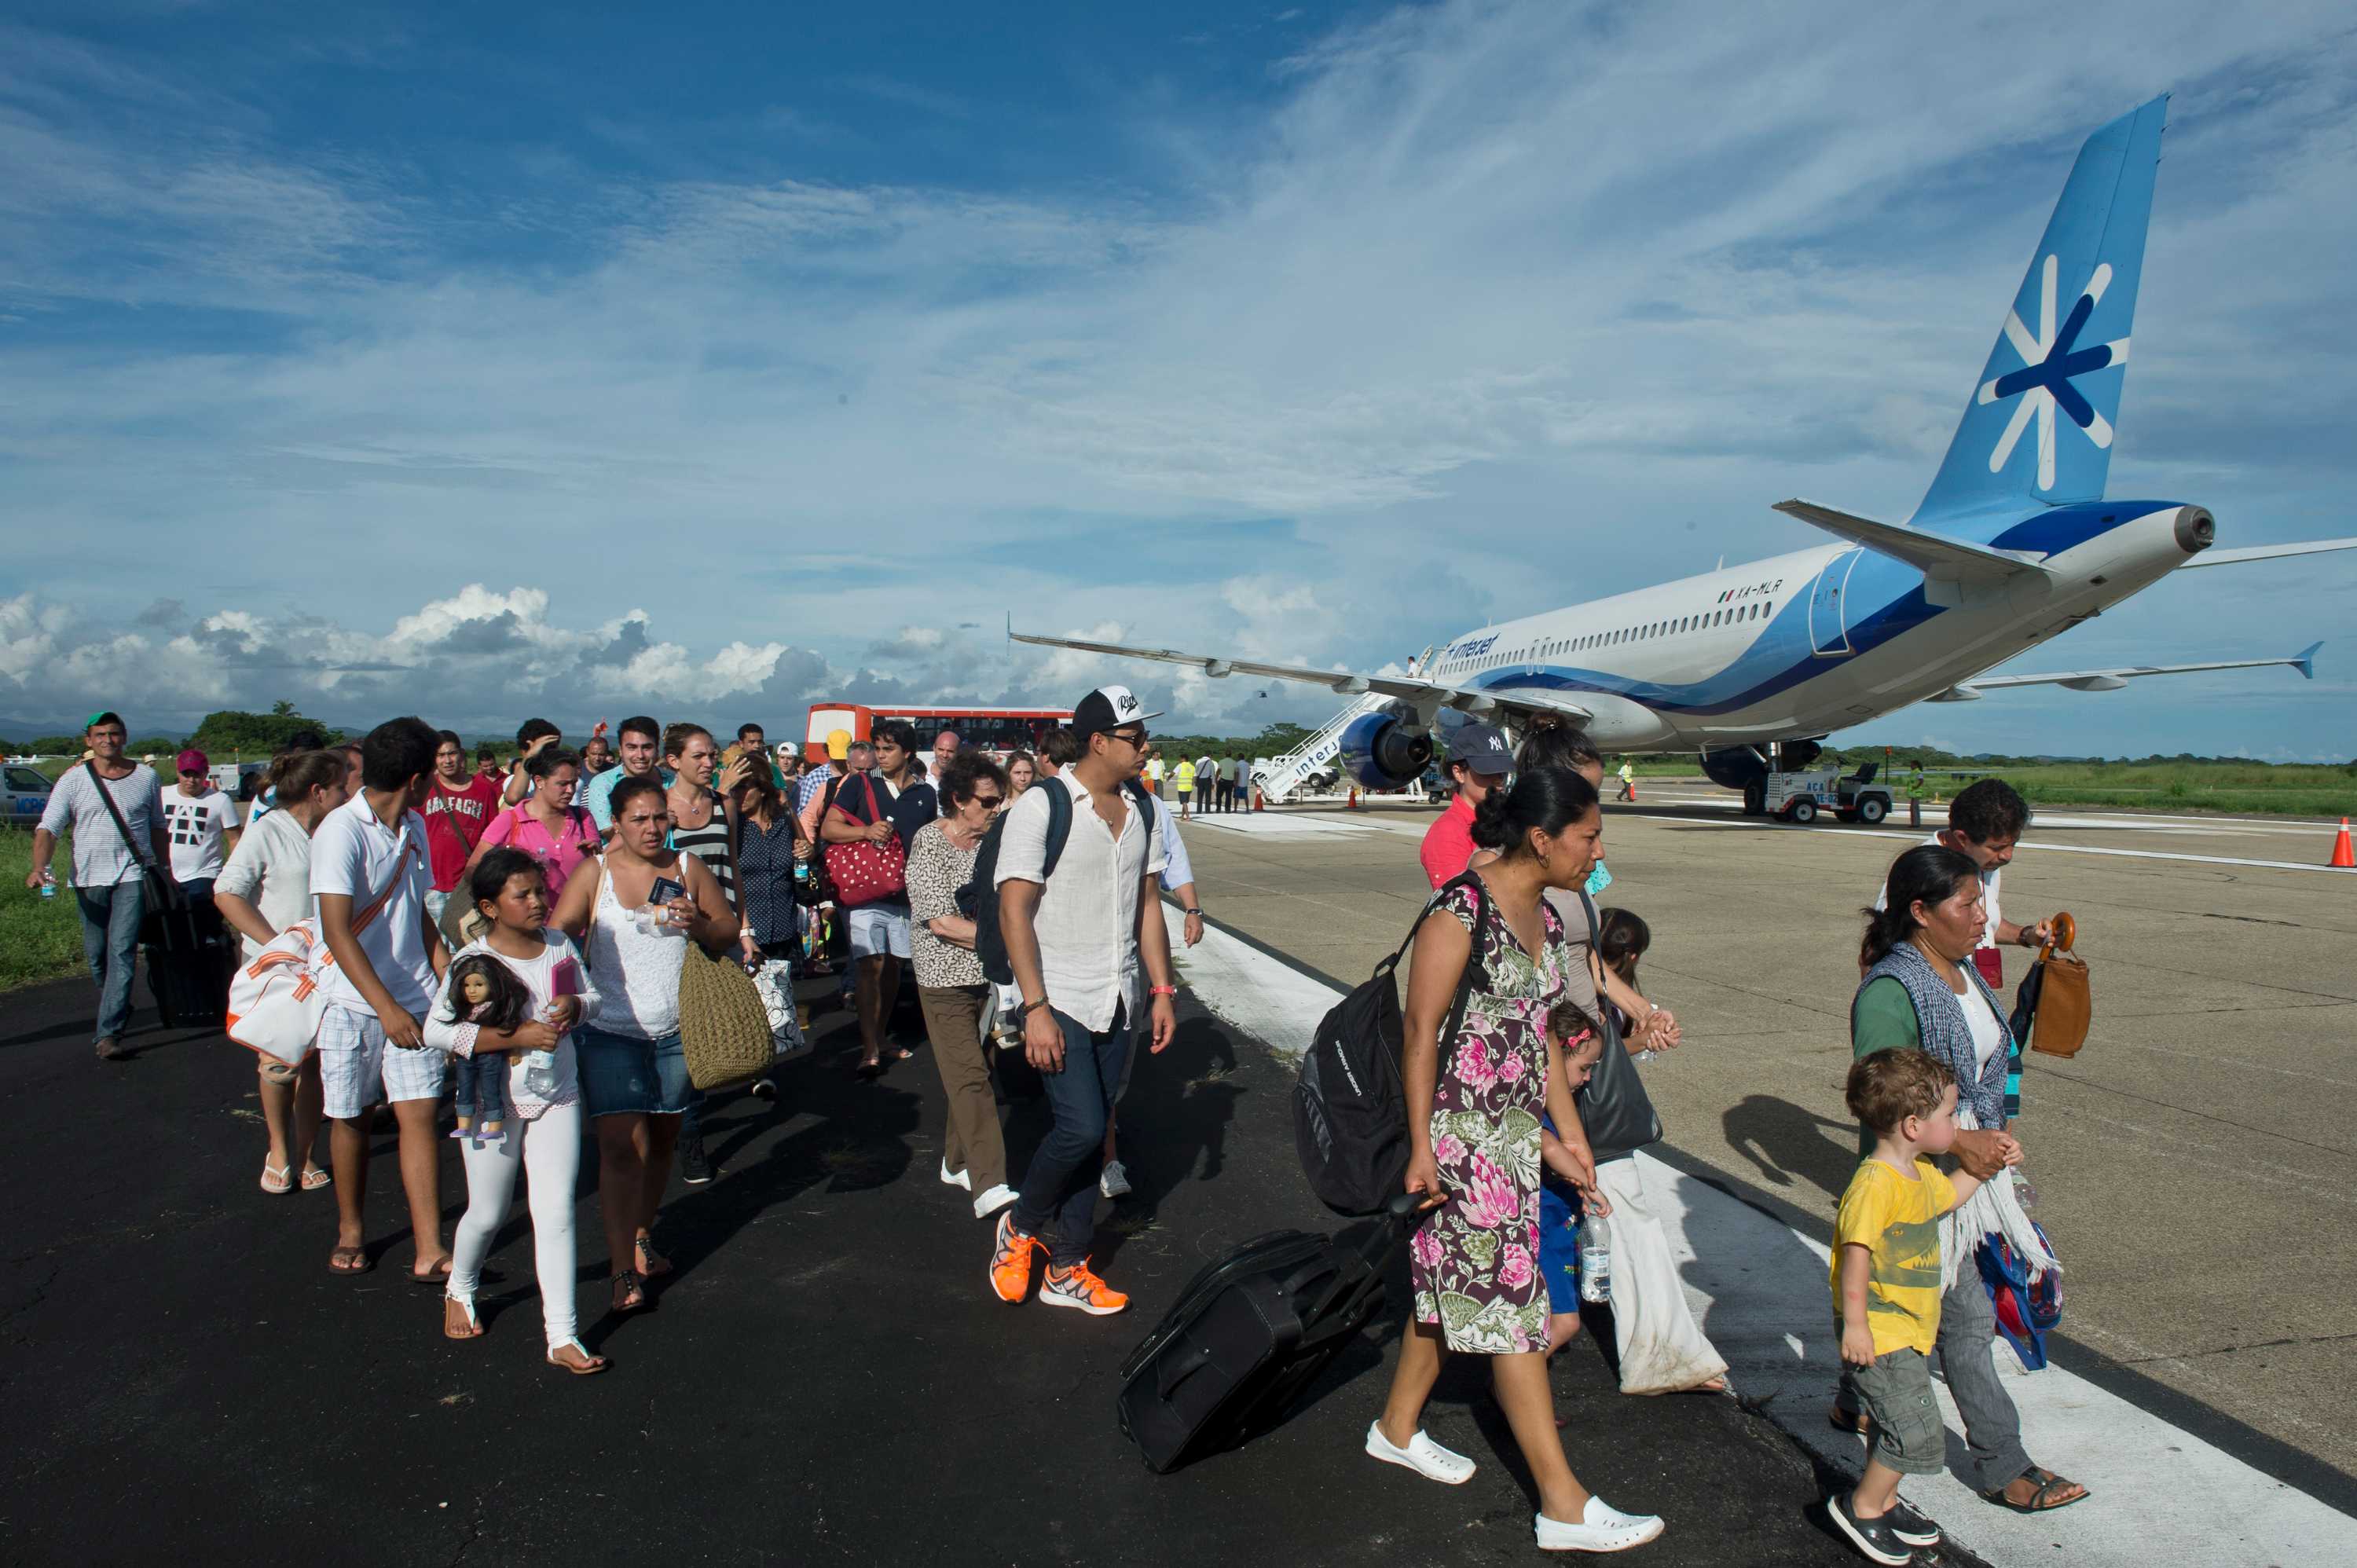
(1828, 630)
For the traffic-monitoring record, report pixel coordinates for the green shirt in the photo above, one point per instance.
(1885, 1020)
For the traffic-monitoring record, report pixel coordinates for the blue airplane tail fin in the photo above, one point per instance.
(2040, 425)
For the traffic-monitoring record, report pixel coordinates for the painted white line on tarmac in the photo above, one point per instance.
(1905, 836)
(1759, 1288)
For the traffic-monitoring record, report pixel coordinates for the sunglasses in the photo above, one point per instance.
(1137, 739)
(986, 799)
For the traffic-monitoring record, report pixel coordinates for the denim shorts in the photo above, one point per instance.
(1559, 1247)
(624, 1076)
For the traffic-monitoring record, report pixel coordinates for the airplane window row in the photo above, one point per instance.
(1758, 609)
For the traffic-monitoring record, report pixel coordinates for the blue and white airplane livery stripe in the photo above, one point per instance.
(2013, 544)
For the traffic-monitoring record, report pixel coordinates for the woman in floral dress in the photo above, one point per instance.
(1474, 1103)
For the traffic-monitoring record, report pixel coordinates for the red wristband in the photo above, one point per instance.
(1162, 990)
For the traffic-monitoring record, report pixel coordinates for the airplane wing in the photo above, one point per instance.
(2113, 679)
(1937, 558)
(1342, 682)
(2265, 553)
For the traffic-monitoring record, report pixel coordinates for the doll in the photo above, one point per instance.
(484, 992)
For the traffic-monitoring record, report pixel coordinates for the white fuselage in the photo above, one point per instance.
(1798, 645)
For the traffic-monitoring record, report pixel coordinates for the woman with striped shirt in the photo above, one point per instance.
(701, 826)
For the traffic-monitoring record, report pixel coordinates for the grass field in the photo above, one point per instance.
(2240, 789)
(41, 939)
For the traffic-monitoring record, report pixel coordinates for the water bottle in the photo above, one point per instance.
(48, 882)
(1594, 1260)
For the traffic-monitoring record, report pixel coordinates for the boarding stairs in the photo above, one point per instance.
(1285, 774)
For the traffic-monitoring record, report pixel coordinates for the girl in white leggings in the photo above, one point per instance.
(544, 1136)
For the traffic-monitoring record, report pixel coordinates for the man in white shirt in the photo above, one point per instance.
(201, 823)
(1239, 771)
(110, 884)
(370, 882)
(1986, 820)
(1078, 932)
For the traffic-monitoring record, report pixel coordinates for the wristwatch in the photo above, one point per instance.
(1023, 1009)
(1197, 913)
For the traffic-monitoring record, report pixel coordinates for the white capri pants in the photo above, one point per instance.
(548, 1148)
(1662, 1349)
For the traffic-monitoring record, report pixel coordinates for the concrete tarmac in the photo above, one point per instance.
(2190, 1162)
(827, 1379)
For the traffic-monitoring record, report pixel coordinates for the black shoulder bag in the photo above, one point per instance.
(1614, 1108)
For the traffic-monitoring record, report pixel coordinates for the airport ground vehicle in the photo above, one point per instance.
(26, 793)
(997, 730)
(1799, 797)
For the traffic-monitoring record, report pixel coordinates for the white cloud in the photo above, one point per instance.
(1496, 303)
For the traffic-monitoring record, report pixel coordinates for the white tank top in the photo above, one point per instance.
(637, 970)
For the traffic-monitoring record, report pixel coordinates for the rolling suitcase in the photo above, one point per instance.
(1249, 1334)
(188, 963)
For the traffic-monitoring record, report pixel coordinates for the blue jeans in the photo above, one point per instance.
(110, 940)
(1059, 1202)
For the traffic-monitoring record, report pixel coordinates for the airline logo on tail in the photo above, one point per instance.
(2049, 359)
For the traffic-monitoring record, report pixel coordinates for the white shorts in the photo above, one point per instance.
(879, 929)
(358, 1070)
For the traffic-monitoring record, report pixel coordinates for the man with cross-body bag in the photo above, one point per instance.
(122, 859)
(458, 807)
(368, 883)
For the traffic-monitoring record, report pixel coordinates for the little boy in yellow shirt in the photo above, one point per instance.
(1886, 1284)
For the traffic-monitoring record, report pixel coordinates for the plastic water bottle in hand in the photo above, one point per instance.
(48, 882)
(1594, 1260)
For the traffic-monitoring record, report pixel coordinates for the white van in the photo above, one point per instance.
(26, 794)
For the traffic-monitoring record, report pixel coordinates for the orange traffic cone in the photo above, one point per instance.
(1354, 797)
(1257, 800)
(2341, 854)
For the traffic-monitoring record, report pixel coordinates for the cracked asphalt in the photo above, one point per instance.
(826, 1378)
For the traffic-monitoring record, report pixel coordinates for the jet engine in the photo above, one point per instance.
(1740, 767)
(1381, 752)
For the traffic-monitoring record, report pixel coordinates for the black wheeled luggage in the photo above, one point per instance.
(1249, 1334)
(188, 963)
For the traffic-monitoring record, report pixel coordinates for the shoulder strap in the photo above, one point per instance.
(361, 917)
(107, 797)
(1060, 829)
(455, 818)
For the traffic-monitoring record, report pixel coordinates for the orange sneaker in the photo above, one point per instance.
(1079, 1287)
(1010, 1259)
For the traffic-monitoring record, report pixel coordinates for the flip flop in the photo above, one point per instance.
(350, 1261)
(277, 1174)
(437, 1277)
(315, 1178)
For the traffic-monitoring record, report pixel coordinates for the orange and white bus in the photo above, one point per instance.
(992, 729)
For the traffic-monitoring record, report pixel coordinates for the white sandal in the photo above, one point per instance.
(595, 1363)
(283, 1174)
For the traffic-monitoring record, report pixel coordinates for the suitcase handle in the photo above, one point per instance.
(1401, 1214)
(1181, 1368)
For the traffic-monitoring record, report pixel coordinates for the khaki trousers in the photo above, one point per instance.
(972, 1141)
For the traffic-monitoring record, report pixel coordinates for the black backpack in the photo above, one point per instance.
(1349, 1107)
(978, 899)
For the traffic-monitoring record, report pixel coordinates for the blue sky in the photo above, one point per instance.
(484, 360)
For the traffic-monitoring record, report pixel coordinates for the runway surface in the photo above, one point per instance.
(2191, 1163)
(826, 1380)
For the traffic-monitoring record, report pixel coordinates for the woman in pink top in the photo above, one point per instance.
(545, 825)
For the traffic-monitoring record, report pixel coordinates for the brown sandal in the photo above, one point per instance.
(350, 1261)
(2042, 1500)
(588, 1367)
(471, 1329)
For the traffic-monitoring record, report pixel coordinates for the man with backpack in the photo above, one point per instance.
(1077, 919)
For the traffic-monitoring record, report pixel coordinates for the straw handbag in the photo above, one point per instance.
(724, 1027)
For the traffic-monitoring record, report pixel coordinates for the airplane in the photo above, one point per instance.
(1753, 666)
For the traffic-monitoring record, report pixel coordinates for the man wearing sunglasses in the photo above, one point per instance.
(1078, 932)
